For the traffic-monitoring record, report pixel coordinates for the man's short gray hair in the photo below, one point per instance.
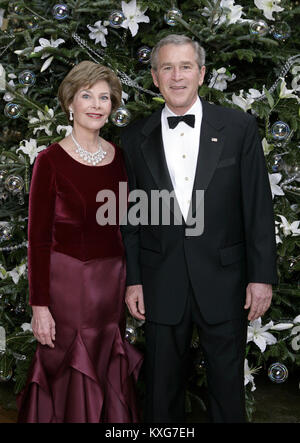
(175, 39)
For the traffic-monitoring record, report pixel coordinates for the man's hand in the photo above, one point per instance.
(43, 325)
(134, 299)
(258, 299)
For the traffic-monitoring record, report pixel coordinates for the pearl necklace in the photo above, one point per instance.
(89, 157)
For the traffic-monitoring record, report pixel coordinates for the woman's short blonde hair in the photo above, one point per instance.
(87, 74)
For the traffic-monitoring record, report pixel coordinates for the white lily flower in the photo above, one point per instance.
(26, 327)
(17, 273)
(286, 93)
(220, 78)
(3, 273)
(2, 78)
(42, 119)
(277, 237)
(259, 335)
(267, 148)
(297, 319)
(246, 102)
(289, 228)
(268, 7)
(248, 377)
(231, 16)
(295, 343)
(8, 96)
(235, 13)
(1, 16)
(242, 102)
(282, 326)
(133, 16)
(274, 179)
(68, 129)
(98, 33)
(124, 96)
(31, 149)
(47, 44)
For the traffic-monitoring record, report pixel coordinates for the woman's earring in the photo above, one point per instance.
(71, 115)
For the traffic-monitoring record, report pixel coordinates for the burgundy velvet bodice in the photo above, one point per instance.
(62, 214)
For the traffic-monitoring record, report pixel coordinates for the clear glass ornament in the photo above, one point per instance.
(12, 110)
(15, 8)
(144, 54)
(60, 11)
(280, 130)
(259, 28)
(27, 78)
(278, 373)
(171, 15)
(121, 117)
(131, 334)
(20, 308)
(14, 183)
(116, 19)
(281, 31)
(5, 376)
(3, 173)
(5, 232)
(3, 195)
(33, 22)
(278, 163)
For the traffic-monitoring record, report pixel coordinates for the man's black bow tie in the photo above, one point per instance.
(189, 119)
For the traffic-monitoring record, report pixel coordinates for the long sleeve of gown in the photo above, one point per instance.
(40, 227)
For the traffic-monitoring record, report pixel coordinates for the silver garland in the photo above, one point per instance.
(285, 69)
(24, 244)
(98, 53)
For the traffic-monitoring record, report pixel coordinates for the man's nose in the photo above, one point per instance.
(176, 73)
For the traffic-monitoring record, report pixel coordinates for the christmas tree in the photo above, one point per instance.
(253, 63)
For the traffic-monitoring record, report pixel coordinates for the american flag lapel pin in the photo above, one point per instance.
(214, 139)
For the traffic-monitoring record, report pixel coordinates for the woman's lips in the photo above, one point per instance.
(94, 115)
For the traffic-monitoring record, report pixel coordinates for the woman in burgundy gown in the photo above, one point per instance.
(83, 370)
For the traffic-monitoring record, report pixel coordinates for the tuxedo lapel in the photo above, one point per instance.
(154, 155)
(210, 149)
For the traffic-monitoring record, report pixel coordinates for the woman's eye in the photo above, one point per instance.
(85, 96)
(105, 97)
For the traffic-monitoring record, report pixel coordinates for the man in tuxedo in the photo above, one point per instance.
(218, 278)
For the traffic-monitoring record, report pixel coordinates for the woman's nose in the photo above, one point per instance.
(96, 103)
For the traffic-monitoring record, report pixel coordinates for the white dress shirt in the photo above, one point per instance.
(181, 146)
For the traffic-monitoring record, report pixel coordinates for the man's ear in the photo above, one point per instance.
(202, 75)
(154, 76)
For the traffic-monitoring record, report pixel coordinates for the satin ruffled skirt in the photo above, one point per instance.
(90, 375)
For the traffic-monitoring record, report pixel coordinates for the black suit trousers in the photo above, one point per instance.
(167, 358)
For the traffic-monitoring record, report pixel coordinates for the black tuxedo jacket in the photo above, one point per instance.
(237, 245)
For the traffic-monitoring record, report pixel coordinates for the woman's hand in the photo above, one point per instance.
(43, 325)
